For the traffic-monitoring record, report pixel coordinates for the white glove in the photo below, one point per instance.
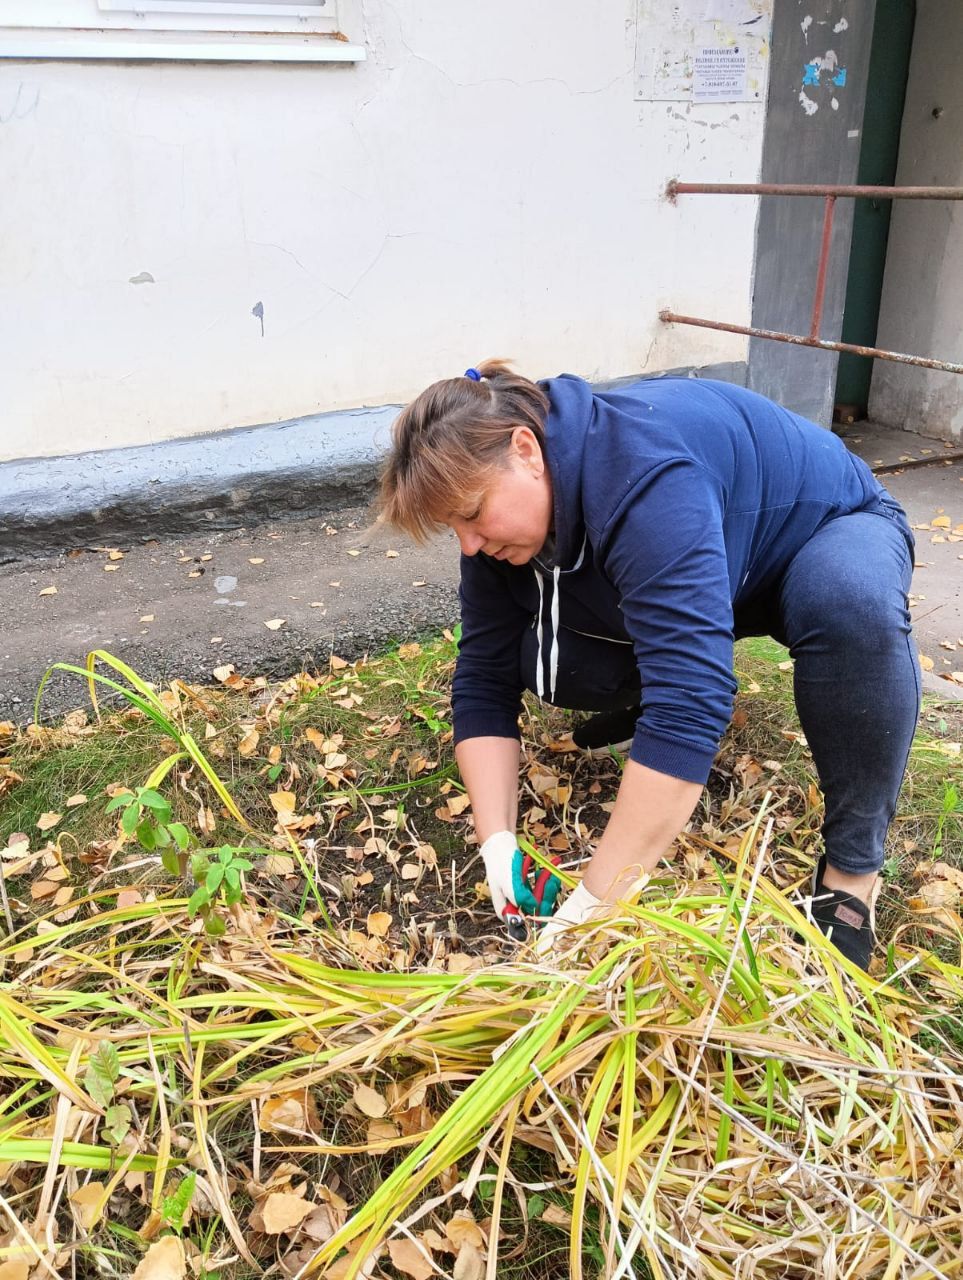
(580, 905)
(497, 853)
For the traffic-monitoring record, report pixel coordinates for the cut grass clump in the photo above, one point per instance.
(719, 1083)
(363, 1077)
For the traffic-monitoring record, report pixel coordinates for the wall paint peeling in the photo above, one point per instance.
(813, 72)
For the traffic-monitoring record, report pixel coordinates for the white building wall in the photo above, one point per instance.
(921, 311)
(486, 183)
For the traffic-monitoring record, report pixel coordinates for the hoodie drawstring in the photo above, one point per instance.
(553, 657)
(539, 674)
(553, 652)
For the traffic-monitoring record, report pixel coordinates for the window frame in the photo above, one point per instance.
(268, 12)
(181, 30)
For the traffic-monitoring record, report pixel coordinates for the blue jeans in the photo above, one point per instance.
(841, 608)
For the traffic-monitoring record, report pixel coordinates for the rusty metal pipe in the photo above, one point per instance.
(675, 188)
(800, 340)
(820, 291)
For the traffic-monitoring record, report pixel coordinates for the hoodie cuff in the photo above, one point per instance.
(485, 724)
(678, 759)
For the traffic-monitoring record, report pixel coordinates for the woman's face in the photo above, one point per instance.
(514, 515)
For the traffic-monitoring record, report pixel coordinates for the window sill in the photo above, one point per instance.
(150, 46)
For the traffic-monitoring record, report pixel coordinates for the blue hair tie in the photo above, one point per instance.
(473, 374)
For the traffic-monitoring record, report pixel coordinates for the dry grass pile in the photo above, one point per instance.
(697, 1088)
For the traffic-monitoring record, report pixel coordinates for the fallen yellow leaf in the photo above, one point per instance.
(470, 1264)
(274, 623)
(284, 1112)
(370, 1102)
(284, 802)
(379, 922)
(49, 591)
(380, 1131)
(48, 820)
(164, 1260)
(283, 1211)
(278, 864)
(88, 1203)
(461, 1228)
(407, 1258)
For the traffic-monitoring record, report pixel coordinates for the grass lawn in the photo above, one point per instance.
(256, 1014)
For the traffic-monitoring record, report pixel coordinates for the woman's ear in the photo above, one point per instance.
(527, 450)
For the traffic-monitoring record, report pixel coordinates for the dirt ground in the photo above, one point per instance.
(277, 598)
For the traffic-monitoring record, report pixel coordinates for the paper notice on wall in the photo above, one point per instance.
(719, 74)
(730, 39)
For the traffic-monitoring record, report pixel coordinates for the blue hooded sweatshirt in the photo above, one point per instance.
(676, 502)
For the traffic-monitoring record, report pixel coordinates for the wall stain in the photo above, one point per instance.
(258, 311)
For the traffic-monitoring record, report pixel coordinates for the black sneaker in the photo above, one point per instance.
(846, 921)
(610, 729)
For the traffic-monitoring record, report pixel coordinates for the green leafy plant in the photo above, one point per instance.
(217, 873)
(951, 805)
(100, 1081)
(147, 818)
(174, 1208)
(427, 713)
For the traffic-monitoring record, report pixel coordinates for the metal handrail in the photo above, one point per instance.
(830, 193)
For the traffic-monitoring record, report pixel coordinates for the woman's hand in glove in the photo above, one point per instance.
(580, 905)
(498, 853)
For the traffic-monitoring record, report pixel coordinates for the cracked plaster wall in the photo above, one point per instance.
(189, 248)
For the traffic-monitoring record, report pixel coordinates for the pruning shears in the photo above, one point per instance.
(536, 890)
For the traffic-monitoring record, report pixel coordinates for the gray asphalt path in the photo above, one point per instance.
(182, 607)
(179, 608)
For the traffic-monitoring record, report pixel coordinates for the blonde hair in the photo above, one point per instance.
(448, 441)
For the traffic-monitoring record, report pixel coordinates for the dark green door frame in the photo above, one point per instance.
(878, 156)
